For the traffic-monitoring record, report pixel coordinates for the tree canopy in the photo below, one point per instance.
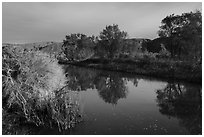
(110, 41)
(184, 33)
(78, 46)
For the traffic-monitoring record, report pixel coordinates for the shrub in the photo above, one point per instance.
(34, 89)
(146, 56)
(149, 55)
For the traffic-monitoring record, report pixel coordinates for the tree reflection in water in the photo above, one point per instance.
(183, 102)
(80, 79)
(110, 86)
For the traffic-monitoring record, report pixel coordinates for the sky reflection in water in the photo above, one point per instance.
(119, 103)
(122, 103)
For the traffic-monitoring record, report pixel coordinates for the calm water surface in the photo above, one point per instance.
(119, 103)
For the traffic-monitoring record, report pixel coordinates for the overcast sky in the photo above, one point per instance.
(35, 22)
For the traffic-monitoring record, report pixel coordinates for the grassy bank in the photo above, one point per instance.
(178, 70)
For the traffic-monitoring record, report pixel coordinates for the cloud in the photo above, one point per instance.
(30, 22)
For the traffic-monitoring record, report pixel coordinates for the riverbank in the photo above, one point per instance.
(177, 70)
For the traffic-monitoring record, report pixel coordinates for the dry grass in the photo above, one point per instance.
(34, 89)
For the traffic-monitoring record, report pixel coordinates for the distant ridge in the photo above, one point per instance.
(48, 47)
(26, 45)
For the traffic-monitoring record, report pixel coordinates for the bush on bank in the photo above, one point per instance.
(33, 90)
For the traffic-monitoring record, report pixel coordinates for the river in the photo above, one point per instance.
(122, 103)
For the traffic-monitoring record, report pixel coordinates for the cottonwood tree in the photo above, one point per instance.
(184, 33)
(110, 41)
(78, 46)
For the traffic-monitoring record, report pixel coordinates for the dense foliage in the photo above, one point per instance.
(111, 41)
(78, 46)
(108, 44)
(33, 91)
(180, 38)
(184, 35)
